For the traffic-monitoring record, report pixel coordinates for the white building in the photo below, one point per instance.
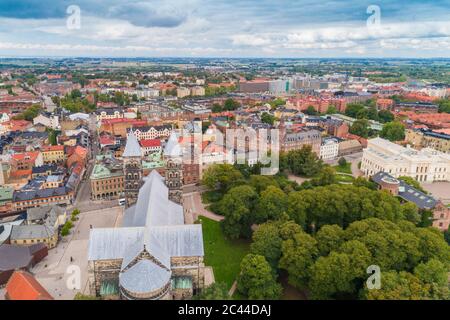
(329, 149)
(47, 120)
(108, 114)
(426, 165)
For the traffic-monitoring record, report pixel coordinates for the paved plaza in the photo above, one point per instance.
(57, 270)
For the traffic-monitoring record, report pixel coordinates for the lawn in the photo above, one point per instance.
(344, 178)
(344, 169)
(222, 254)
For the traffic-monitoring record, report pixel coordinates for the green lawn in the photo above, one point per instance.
(222, 254)
(344, 178)
(344, 169)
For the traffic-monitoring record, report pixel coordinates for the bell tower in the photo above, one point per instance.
(132, 169)
(173, 157)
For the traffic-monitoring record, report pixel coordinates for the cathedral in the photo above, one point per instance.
(154, 254)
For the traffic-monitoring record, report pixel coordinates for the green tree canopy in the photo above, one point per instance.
(237, 206)
(393, 131)
(216, 291)
(360, 127)
(220, 176)
(256, 280)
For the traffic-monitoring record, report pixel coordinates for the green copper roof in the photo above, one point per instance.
(6, 194)
(109, 288)
(101, 172)
(181, 283)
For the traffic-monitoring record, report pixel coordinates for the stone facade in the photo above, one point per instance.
(133, 177)
(107, 271)
(174, 179)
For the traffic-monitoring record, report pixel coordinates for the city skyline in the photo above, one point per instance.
(236, 29)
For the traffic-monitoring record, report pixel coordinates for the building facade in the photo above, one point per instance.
(426, 165)
(329, 149)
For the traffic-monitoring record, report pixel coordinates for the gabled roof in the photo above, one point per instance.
(23, 286)
(153, 207)
(173, 148)
(132, 148)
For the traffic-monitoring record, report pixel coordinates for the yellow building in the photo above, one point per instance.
(53, 154)
(32, 234)
(428, 139)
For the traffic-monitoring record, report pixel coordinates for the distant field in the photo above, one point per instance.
(222, 254)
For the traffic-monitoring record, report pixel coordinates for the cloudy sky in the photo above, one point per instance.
(225, 28)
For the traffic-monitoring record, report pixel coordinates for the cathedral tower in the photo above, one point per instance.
(173, 157)
(132, 169)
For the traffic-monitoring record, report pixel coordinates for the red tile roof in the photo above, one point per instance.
(23, 286)
(26, 156)
(52, 148)
(146, 143)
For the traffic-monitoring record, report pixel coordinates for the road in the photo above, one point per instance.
(83, 199)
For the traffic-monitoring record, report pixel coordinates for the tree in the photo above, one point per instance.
(220, 176)
(304, 161)
(256, 279)
(329, 238)
(331, 276)
(231, 104)
(311, 111)
(216, 108)
(332, 110)
(411, 212)
(74, 94)
(444, 105)
(30, 113)
(353, 109)
(237, 206)
(363, 182)
(267, 242)
(398, 286)
(393, 131)
(360, 127)
(385, 116)
(261, 183)
(372, 114)
(216, 291)
(433, 271)
(267, 118)
(298, 254)
(342, 162)
(272, 204)
(326, 176)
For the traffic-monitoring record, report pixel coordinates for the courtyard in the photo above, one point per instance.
(58, 271)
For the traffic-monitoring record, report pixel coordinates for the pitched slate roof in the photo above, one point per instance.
(407, 192)
(173, 148)
(153, 207)
(132, 148)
